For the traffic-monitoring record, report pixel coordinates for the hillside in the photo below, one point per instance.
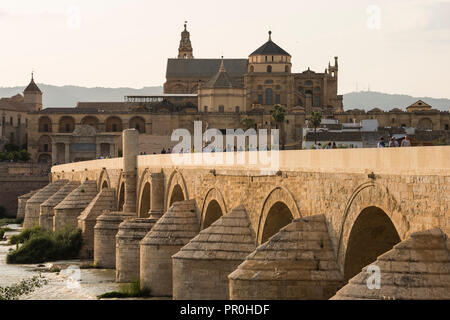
(68, 96)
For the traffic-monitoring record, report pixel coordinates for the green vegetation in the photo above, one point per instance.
(41, 245)
(5, 221)
(278, 114)
(2, 233)
(315, 120)
(23, 287)
(26, 235)
(14, 153)
(247, 123)
(129, 290)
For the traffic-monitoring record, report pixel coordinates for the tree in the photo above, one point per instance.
(278, 115)
(315, 120)
(247, 123)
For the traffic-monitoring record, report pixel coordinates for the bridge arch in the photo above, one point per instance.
(278, 210)
(370, 201)
(120, 193)
(103, 180)
(213, 208)
(144, 194)
(372, 234)
(176, 189)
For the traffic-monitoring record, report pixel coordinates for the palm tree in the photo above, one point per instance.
(315, 120)
(247, 123)
(278, 115)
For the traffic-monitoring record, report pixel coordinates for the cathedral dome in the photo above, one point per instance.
(270, 48)
(32, 87)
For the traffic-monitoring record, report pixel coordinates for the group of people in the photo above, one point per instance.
(393, 143)
(329, 145)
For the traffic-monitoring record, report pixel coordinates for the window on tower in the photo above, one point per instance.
(269, 96)
(269, 69)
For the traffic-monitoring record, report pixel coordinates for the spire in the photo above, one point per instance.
(32, 87)
(185, 48)
(270, 35)
(222, 66)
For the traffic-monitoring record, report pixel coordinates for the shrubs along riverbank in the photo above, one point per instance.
(37, 245)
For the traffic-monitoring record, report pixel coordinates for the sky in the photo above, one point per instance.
(391, 46)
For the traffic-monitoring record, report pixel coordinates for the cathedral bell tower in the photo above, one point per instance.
(33, 96)
(185, 49)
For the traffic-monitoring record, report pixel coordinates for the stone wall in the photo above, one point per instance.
(13, 187)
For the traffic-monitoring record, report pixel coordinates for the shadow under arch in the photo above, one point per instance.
(103, 180)
(213, 208)
(372, 234)
(369, 194)
(176, 189)
(278, 210)
(144, 201)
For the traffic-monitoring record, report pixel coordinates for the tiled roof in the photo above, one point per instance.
(202, 68)
(32, 87)
(270, 48)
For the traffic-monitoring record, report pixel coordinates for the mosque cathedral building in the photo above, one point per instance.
(219, 92)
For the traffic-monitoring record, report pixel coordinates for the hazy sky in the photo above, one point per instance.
(395, 46)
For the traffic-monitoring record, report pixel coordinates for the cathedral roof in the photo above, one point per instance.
(32, 87)
(222, 79)
(270, 48)
(204, 68)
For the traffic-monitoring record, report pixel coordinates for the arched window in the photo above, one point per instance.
(277, 99)
(317, 90)
(300, 102)
(252, 69)
(269, 96)
(260, 99)
(316, 101)
(206, 108)
(269, 69)
(300, 89)
(260, 87)
(286, 69)
(221, 108)
(446, 127)
(237, 109)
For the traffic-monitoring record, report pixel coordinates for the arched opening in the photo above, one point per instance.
(213, 213)
(252, 69)
(373, 234)
(425, 124)
(177, 195)
(269, 69)
(269, 96)
(104, 185)
(113, 124)
(90, 121)
(66, 124)
(45, 124)
(121, 197)
(137, 123)
(279, 216)
(144, 207)
(44, 158)
(45, 144)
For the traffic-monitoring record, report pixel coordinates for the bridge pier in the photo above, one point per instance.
(67, 211)
(201, 268)
(104, 201)
(417, 268)
(297, 263)
(22, 202)
(32, 209)
(173, 231)
(128, 237)
(46, 213)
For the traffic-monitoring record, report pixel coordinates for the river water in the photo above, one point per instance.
(71, 283)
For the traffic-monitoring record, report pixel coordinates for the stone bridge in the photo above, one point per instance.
(236, 231)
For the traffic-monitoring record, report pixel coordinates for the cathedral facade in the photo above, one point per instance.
(265, 78)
